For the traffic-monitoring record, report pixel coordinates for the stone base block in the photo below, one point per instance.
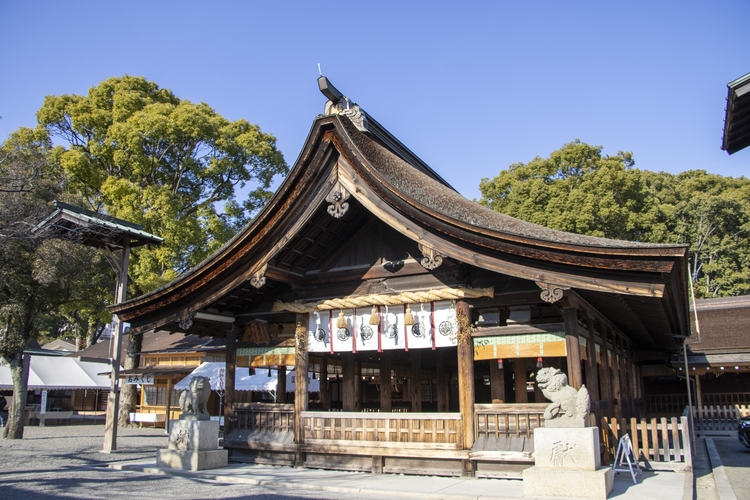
(193, 435)
(541, 481)
(192, 460)
(566, 448)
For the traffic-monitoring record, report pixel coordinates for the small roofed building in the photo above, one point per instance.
(737, 116)
(718, 361)
(167, 358)
(423, 314)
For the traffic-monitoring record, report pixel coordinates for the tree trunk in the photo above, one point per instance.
(92, 332)
(129, 393)
(19, 371)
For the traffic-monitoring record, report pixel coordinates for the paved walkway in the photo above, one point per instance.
(65, 462)
(659, 485)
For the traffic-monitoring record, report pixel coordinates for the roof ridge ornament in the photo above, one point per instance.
(339, 104)
(337, 199)
(431, 258)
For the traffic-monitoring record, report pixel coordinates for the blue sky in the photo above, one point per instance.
(470, 87)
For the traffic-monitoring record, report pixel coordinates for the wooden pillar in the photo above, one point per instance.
(349, 379)
(538, 396)
(442, 381)
(570, 318)
(325, 387)
(386, 384)
(231, 356)
(169, 404)
(521, 376)
(466, 382)
(497, 380)
(358, 385)
(616, 387)
(300, 385)
(592, 381)
(415, 384)
(281, 384)
(606, 376)
(698, 392)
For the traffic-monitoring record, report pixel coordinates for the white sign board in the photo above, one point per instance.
(139, 379)
(43, 405)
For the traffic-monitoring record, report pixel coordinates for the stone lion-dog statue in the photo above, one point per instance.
(193, 401)
(569, 408)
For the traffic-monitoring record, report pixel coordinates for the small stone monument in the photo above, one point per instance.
(193, 438)
(566, 452)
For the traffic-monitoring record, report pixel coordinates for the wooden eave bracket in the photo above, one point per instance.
(431, 258)
(551, 293)
(338, 201)
(258, 279)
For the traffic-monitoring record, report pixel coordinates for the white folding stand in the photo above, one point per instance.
(625, 453)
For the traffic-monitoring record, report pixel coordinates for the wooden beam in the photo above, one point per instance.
(570, 318)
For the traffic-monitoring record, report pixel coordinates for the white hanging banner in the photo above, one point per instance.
(435, 325)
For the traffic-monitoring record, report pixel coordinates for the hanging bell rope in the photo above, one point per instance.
(384, 300)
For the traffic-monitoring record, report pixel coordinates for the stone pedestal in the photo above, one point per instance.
(193, 446)
(567, 464)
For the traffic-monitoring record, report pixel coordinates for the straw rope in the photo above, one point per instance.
(384, 300)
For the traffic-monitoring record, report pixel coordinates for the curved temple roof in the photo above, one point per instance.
(349, 153)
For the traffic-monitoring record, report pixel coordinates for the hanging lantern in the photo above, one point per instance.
(341, 321)
(374, 316)
(269, 373)
(539, 362)
(408, 317)
(499, 364)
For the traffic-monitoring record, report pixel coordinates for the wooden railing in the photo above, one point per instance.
(383, 430)
(656, 440)
(667, 405)
(505, 420)
(262, 417)
(726, 398)
(719, 418)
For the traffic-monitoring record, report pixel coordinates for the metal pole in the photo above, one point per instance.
(689, 394)
(113, 402)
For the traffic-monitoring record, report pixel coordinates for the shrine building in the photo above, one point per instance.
(423, 314)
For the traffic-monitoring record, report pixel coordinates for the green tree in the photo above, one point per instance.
(577, 189)
(137, 152)
(37, 276)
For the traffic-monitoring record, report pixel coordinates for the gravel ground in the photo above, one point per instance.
(66, 462)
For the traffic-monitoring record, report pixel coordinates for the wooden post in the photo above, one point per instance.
(616, 387)
(606, 372)
(442, 381)
(281, 384)
(415, 384)
(229, 415)
(325, 387)
(521, 377)
(466, 382)
(348, 396)
(169, 404)
(497, 381)
(538, 396)
(386, 385)
(113, 399)
(592, 381)
(570, 318)
(698, 392)
(300, 385)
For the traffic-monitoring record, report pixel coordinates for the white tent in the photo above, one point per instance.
(59, 373)
(243, 380)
